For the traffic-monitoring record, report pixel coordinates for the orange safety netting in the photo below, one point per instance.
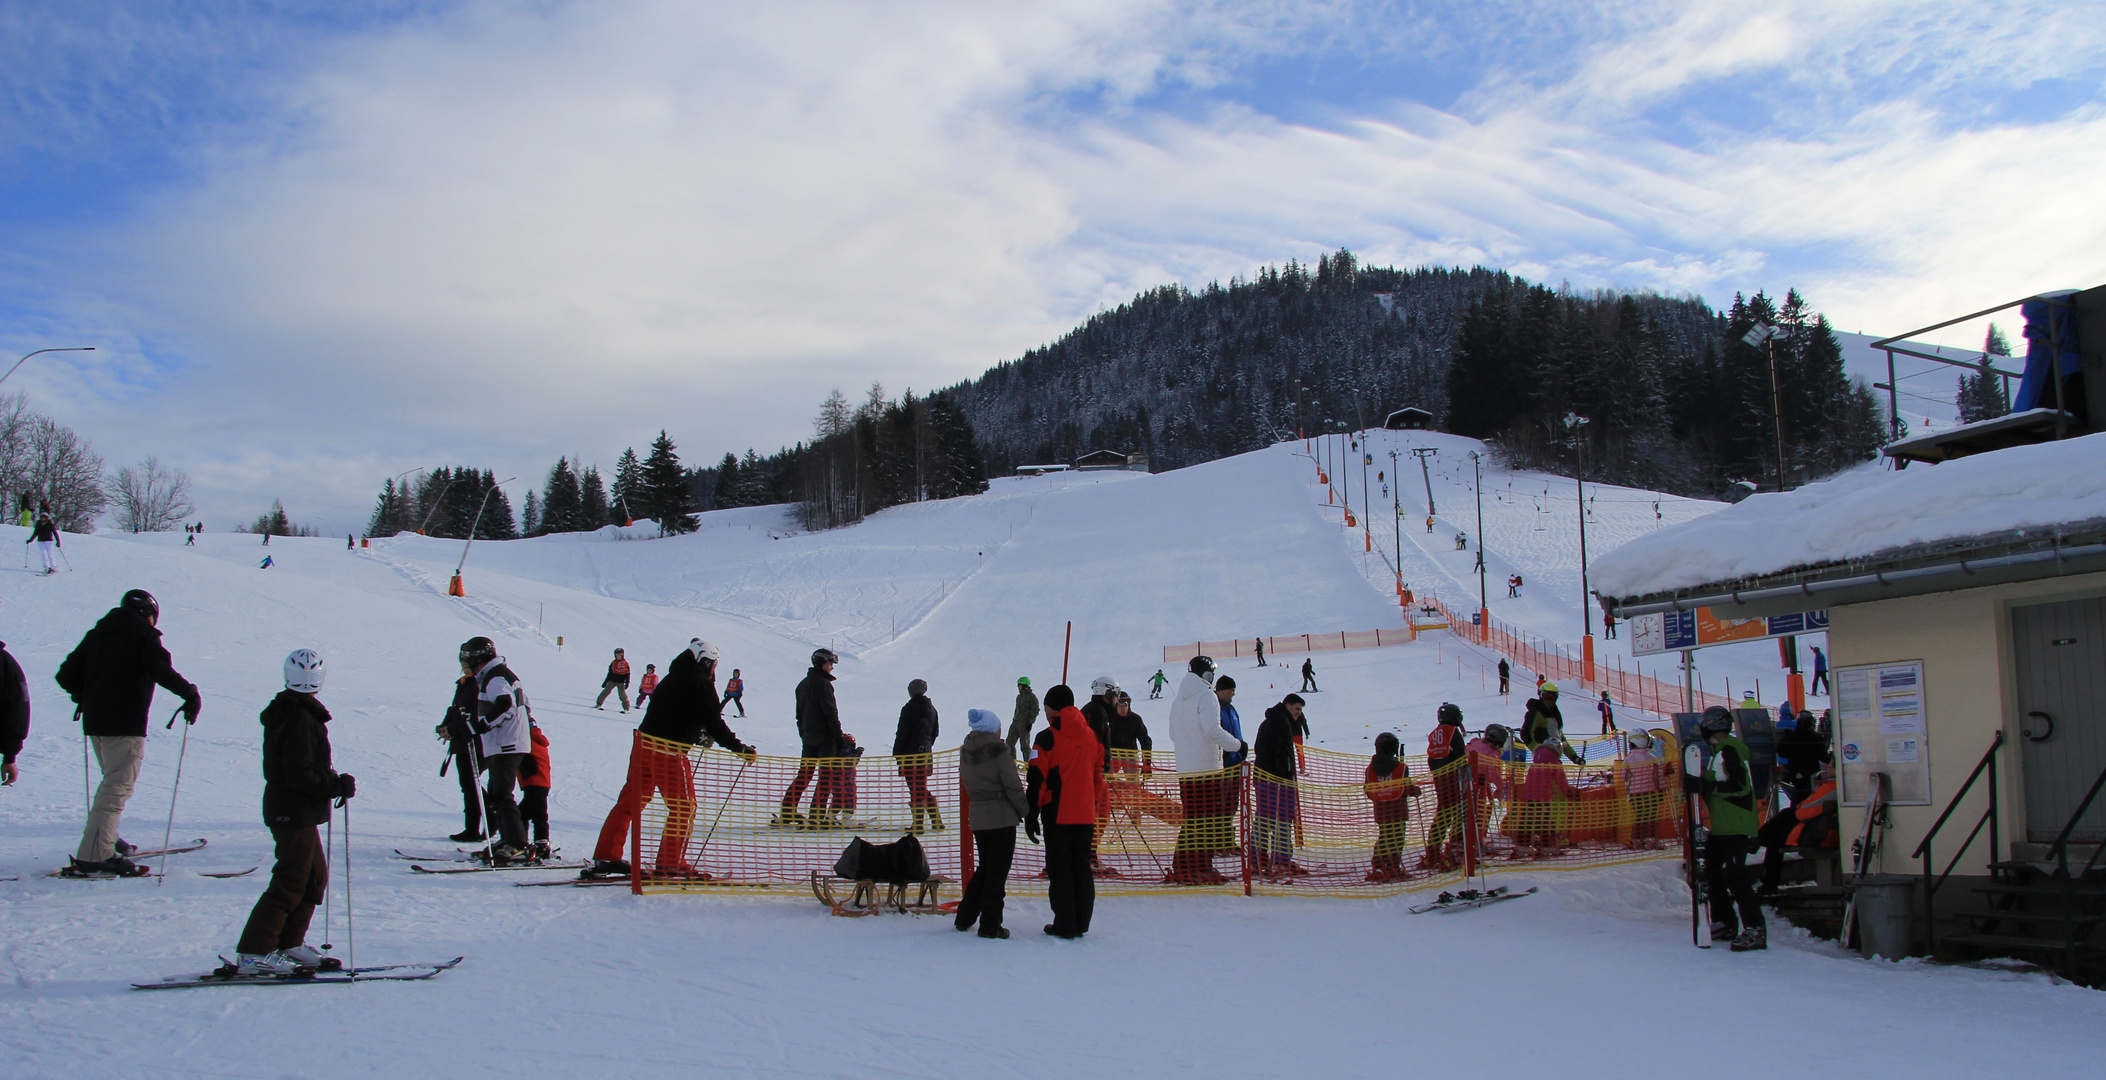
(717, 822)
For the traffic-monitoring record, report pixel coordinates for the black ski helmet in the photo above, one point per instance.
(1450, 714)
(477, 651)
(1497, 735)
(1201, 666)
(824, 656)
(1717, 720)
(1386, 744)
(143, 602)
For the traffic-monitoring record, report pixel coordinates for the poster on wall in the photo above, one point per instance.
(1879, 728)
(1673, 631)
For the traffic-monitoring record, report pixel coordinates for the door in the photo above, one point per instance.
(2060, 652)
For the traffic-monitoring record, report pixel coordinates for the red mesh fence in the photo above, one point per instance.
(716, 822)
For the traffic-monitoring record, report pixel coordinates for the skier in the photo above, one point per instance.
(1820, 673)
(1513, 585)
(14, 715)
(1462, 540)
(1309, 676)
(616, 682)
(1155, 683)
(1388, 784)
(1278, 797)
(1447, 755)
(1020, 721)
(1099, 710)
(27, 517)
(734, 690)
(1643, 782)
(1067, 787)
(297, 786)
(111, 676)
(534, 783)
(1607, 709)
(1196, 732)
(1231, 720)
(1505, 672)
(1728, 787)
(266, 563)
(191, 539)
(913, 743)
(819, 728)
(457, 730)
(1535, 812)
(500, 722)
(685, 711)
(1132, 748)
(649, 682)
(1608, 626)
(987, 771)
(1544, 723)
(1261, 650)
(46, 538)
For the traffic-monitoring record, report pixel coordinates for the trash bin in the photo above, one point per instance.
(1886, 915)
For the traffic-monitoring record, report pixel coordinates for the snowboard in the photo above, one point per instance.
(1471, 898)
(223, 976)
(1699, 917)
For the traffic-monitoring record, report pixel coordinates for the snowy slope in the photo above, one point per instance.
(599, 983)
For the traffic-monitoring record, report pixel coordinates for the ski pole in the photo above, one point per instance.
(350, 928)
(728, 792)
(168, 834)
(69, 561)
(87, 787)
(328, 856)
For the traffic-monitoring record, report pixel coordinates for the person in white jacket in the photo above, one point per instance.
(1195, 729)
(501, 723)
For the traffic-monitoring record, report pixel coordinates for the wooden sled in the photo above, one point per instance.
(865, 899)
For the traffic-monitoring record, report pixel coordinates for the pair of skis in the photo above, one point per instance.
(1699, 902)
(142, 871)
(1466, 899)
(225, 976)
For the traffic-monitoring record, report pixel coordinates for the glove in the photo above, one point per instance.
(191, 705)
(1031, 827)
(747, 752)
(530, 767)
(346, 786)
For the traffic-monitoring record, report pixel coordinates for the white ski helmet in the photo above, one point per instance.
(303, 671)
(703, 651)
(1102, 685)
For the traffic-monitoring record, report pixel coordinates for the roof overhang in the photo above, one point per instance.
(1981, 437)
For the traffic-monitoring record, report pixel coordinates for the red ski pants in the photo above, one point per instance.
(652, 772)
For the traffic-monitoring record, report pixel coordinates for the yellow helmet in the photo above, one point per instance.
(1549, 688)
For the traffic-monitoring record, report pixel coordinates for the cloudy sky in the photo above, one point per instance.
(315, 248)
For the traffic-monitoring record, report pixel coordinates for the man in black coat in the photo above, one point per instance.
(111, 677)
(14, 714)
(458, 730)
(1278, 797)
(298, 782)
(912, 743)
(819, 726)
(683, 710)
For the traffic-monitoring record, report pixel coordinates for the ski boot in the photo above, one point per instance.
(124, 848)
(604, 868)
(510, 855)
(786, 818)
(311, 958)
(542, 852)
(1752, 939)
(256, 965)
(468, 836)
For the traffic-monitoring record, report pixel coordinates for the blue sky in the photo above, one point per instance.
(315, 249)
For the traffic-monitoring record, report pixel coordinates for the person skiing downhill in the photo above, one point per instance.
(616, 682)
(298, 782)
(1155, 683)
(1728, 788)
(111, 677)
(46, 537)
(1020, 720)
(1260, 642)
(685, 711)
(734, 690)
(1607, 709)
(504, 742)
(649, 682)
(1309, 676)
(1506, 671)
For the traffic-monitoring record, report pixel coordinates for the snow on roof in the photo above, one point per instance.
(1864, 512)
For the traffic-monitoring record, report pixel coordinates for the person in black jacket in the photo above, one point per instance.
(111, 676)
(1278, 799)
(819, 727)
(298, 783)
(912, 744)
(1132, 747)
(14, 714)
(457, 731)
(684, 710)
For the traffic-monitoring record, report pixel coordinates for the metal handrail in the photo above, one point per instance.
(2059, 851)
(1989, 818)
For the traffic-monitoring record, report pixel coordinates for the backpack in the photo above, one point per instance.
(896, 863)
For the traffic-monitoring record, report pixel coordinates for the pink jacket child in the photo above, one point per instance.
(1545, 787)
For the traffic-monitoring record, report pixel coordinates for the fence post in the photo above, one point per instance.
(1247, 800)
(637, 792)
(965, 838)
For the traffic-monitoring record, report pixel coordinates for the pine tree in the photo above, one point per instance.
(665, 483)
(386, 514)
(530, 518)
(627, 475)
(1981, 395)
(562, 500)
(593, 509)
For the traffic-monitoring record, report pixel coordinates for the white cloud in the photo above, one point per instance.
(504, 234)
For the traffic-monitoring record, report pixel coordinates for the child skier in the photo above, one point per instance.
(1642, 783)
(1387, 785)
(735, 691)
(1536, 809)
(297, 786)
(534, 784)
(617, 681)
(648, 683)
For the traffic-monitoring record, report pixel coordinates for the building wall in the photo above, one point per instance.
(1964, 641)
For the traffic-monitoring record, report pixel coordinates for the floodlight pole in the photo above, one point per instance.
(63, 348)
(1426, 474)
(1483, 605)
(454, 587)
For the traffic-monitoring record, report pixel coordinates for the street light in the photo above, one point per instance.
(26, 356)
(453, 588)
(1765, 335)
(1484, 606)
(1579, 479)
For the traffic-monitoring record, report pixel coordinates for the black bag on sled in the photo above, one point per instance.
(896, 863)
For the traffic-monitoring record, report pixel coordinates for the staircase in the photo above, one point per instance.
(2038, 910)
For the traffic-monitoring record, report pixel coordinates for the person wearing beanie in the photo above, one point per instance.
(994, 807)
(913, 743)
(1066, 788)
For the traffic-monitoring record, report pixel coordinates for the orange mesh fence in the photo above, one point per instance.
(1555, 661)
(1289, 643)
(713, 821)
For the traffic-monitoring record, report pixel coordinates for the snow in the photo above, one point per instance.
(1866, 511)
(597, 982)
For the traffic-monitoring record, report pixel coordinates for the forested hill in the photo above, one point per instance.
(1675, 399)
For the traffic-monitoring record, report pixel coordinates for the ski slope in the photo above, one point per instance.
(968, 594)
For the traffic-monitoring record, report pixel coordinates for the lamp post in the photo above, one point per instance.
(1579, 479)
(1396, 518)
(1765, 335)
(1484, 606)
(440, 500)
(453, 588)
(63, 348)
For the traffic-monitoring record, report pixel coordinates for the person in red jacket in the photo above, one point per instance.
(534, 783)
(617, 681)
(648, 683)
(1065, 790)
(1387, 784)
